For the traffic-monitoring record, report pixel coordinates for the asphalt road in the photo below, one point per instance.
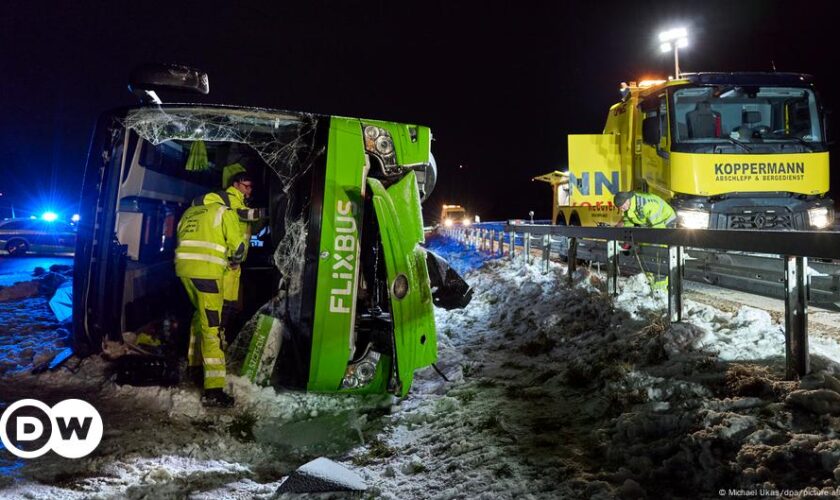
(14, 269)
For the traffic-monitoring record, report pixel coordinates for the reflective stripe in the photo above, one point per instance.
(203, 244)
(214, 373)
(219, 214)
(214, 361)
(201, 257)
(658, 213)
(247, 214)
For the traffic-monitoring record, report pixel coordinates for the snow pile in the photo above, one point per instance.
(566, 393)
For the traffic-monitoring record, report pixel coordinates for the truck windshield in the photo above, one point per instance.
(726, 113)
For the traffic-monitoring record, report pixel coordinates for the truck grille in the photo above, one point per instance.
(778, 218)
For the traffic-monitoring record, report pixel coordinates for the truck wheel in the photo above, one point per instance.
(561, 220)
(17, 247)
(574, 221)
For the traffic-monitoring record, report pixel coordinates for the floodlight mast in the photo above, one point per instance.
(674, 39)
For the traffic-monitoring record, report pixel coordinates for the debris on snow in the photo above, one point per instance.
(320, 476)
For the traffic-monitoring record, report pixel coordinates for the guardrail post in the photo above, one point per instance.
(512, 252)
(502, 243)
(612, 267)
(526, 242)
(796, 317)
(547, 252)
(676, 262)
(572, 253)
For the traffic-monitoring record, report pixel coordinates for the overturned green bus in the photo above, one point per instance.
(335, 291)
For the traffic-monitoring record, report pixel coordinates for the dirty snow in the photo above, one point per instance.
(554, 392)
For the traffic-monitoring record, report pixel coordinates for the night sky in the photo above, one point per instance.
(500, 84)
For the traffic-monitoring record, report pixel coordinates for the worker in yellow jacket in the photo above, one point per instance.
(239, 189)
(210, 243)
(644, 210)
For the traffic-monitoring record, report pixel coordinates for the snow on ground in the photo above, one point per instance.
(554, 392)
(565, 393)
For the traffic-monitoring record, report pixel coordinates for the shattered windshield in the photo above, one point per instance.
(281, 140)
(746, 113)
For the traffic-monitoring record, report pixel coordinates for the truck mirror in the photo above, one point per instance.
(828, 129)
(650, 130)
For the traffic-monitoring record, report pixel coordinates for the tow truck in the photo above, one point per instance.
(452, 215)
(336, 282)
(726, 150)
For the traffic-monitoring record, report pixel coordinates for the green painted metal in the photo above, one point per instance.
(338, 269)
(411, 142)
(401, 226)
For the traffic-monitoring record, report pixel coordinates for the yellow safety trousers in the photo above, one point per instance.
(206, 332)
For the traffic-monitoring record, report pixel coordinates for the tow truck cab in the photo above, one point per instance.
(338, 259)
(727, 150)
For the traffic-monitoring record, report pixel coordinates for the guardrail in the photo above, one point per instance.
(791, 248)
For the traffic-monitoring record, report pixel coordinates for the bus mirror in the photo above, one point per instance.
(149, 78)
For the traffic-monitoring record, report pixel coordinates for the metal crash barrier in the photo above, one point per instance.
(725, 258)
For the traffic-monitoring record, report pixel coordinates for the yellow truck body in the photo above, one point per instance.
(726, 150)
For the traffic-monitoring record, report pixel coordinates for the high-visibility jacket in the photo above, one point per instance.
(648, 210)
(235, 200)
(209, 236)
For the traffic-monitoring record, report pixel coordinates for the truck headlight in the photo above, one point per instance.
(820, 217)
(693, 219)
(466, 222)
(448, 222)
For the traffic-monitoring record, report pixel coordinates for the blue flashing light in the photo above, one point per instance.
(75, 218)
(49, 216)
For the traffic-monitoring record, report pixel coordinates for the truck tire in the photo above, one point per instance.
(17, 247)
(574, 220)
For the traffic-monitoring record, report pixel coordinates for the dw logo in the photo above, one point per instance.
(29, 428)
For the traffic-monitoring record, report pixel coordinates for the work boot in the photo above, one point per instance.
(216, 398)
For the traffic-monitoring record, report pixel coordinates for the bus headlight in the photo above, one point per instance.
(448, 222)
(693, 219)
(820, 217)
(379, 142)
(361, 373)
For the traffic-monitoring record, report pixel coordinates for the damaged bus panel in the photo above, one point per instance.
(335, 292)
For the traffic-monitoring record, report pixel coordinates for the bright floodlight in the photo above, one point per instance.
(49, 216)
(75, 218)
(674, 39)
(673, 34)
